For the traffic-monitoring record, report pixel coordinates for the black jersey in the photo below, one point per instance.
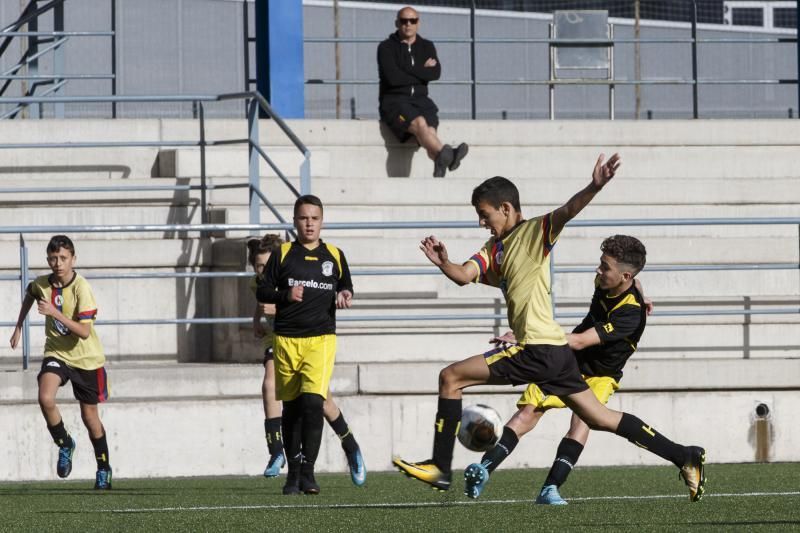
(323, 272)
(619, 322)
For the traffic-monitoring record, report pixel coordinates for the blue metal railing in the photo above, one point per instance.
(24, 275)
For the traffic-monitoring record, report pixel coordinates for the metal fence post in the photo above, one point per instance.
(473, 88)
(58, 57)
(695, 113)
(797, 36)
(114, 56)
(255, 179)
(203, 201)
(23, 277)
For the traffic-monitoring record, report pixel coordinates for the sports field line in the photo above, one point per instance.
(390, 505)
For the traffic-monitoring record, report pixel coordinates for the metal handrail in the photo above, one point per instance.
(205, 228)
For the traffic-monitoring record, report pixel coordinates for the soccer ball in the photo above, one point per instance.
(481, 427)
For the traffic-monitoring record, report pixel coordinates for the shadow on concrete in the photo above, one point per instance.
(398, 155)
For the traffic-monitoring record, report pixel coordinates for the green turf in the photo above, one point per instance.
(391, 502)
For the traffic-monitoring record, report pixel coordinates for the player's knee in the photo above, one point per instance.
(448, 378)
(268, 388)
(311, 403)
(418, 125)
(47, 401)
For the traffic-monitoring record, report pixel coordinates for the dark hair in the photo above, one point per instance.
(60, 241)
(268, 243)
(495, 191)
(626, 249)
(307, 199)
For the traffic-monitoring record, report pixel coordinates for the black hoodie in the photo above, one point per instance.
(401, 66)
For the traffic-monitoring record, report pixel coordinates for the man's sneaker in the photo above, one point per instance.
(64, 466)
(443, 160)
(460, 153)
(276, 462)
(308, 484)
(693, 473)
(475, 478)
(550, 496)
(358, 471)
(292, 485)
(102, 480)
(426, 471)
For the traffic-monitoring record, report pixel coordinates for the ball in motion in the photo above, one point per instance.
(480, 428)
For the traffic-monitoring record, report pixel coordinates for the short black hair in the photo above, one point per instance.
(627, 250)
(60, 241)
(268, 243)
(307, 199)
(495, 191)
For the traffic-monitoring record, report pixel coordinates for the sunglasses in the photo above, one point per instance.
(404, 21)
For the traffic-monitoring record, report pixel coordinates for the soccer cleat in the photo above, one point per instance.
(276, 462)
(426, 471)
(550, 496)
(102, 480)
(292, 485)
(475, 478)
(358, 471)
(443, 160)
(693, 473)
(459, 153)
(64, 466)
(308, 484)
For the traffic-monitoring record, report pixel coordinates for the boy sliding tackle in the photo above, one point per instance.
(603, 342)
(516, 258)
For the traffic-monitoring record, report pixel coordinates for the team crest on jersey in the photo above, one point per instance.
(498, 257)
(61, 328)
(327, 268)
(58, 300)
(608, 327)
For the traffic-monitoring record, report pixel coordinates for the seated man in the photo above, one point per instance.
(406, 63)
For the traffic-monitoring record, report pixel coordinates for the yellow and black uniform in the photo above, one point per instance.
(305, 332)
(66, 354)
(619, 321)
(519, 265)
(266, 340)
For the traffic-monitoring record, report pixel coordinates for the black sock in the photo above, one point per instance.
(567, 455)
(508, 441)
(448, 417)
(59, 434)
(101, 452)
(648, 438)
(349, 444)
(272, 430)
(311, 405)
(291, 423)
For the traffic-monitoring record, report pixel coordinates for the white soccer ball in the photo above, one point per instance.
(481, 427)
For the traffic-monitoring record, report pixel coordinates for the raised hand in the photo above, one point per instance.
(603, 172)
(434, 250)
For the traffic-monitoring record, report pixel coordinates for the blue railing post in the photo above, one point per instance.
(305, 174)
(255, 178)
(23, 276)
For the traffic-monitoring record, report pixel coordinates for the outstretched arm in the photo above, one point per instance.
(436, 252)
(601, 175)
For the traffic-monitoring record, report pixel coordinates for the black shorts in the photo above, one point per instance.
(88, 386)
(268, 356)
(399, 111)
(553, 368)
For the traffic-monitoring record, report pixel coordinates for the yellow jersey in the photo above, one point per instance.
(76, 301)
(519, 265)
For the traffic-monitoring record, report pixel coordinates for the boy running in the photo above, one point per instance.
(72, 352)
(516, 259)
(307, 280)
(259, 252)
(602, 342)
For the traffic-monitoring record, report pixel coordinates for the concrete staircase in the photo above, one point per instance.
(386, 376)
